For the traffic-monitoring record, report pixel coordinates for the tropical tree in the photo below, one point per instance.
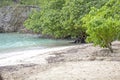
(61, 18)
(103, 25)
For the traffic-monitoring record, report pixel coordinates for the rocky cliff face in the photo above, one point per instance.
(12, 18)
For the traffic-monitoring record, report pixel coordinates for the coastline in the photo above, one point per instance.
(27, 56)
(79, 62)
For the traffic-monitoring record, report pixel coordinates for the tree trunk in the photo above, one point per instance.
(110, 48)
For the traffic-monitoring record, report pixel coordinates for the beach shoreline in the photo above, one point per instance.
(19, 57)
(79, 62)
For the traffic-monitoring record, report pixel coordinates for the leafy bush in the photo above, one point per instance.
(61, 18)
(103, 25)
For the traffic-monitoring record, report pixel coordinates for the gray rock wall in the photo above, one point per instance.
(13, 17)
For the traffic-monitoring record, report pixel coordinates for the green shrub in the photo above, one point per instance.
(103, 25)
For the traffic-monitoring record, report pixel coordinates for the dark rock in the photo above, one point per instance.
(80, 40)
(77, 40)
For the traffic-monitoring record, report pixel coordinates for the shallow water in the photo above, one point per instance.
(10, 42)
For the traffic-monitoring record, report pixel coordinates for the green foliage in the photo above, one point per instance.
(30, 2)
(5, 2)
(20, 2)
(103, 25)
(61, 18)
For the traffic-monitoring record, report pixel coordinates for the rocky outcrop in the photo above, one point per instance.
(13, 17)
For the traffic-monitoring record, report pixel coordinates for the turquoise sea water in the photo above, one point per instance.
(10, 42)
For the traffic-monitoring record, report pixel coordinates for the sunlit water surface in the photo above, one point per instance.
(10, 42)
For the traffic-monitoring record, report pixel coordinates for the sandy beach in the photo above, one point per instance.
(28, 56)
(79, 62)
